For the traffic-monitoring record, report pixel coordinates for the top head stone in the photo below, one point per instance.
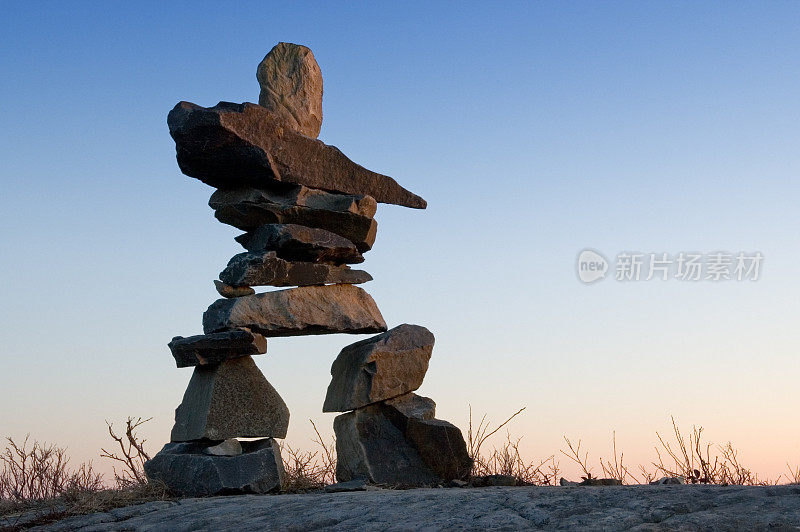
(291, 87)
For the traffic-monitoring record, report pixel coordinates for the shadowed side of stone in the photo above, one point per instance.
(296, 242)
(379, 368)
(398, 442)
(291, 87)
(265, 268)
(232, 144)
(187, 469)
(229, 400)
(206, 349)
(298, 311)
(369, 446)
(250, 208)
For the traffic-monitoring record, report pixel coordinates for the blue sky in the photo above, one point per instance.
(534, 130)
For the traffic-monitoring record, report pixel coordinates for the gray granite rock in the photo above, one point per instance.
(300, 243)
(232, 291)
(265, 268)
(639, 508)
(231, 144)
(370, 446)
(187, 469)
(230, 400)
(298, 311)
(205, 349)
(379, 368)
(441, 446)
(397, 442)
(350, 217)
(291, 87)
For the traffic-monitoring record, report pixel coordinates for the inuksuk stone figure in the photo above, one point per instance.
(308, 213)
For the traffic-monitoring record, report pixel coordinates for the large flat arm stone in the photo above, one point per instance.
(245, 144)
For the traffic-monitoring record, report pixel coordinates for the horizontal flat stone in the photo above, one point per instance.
(264, 268)
(379, 368)
(250, 208)
(245, 144)
(301, 243)
(230, 400)
(189, 469)
(204, 349)
(298, 311)
(230, 292)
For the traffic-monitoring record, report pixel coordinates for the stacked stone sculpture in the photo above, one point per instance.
(308, 214)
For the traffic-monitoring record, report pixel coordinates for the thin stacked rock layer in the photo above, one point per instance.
(308, 214)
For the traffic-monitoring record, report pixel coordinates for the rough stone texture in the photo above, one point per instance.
(385, 366)
(369, 445)
(441, 446)
(291, 87)
(639, 508)
(297, 242)
(265, 268)
(232, 291)
(245, 144)
(298, 311)
(249, 208)
(231, 400)
(215, 348)
(188, 470)
(407, 406)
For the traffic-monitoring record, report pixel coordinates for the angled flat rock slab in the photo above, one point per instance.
(298, 311)
(189, 469)
(230, 400)
(204, 349)
(246, 144)
(291, 87)
(379, 368)
(250, 208)
(264, 268)
(301, 243)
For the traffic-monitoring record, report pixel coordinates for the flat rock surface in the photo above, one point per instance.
(506, 508)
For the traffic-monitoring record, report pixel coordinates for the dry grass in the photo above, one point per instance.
(307, 470)
(37, 485)
(131, 455)
(37, 471)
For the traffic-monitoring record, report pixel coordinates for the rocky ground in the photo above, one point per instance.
(507, 508)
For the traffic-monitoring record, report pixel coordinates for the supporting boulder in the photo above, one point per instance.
(398, 442)
(230, 400)
(189, 470)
